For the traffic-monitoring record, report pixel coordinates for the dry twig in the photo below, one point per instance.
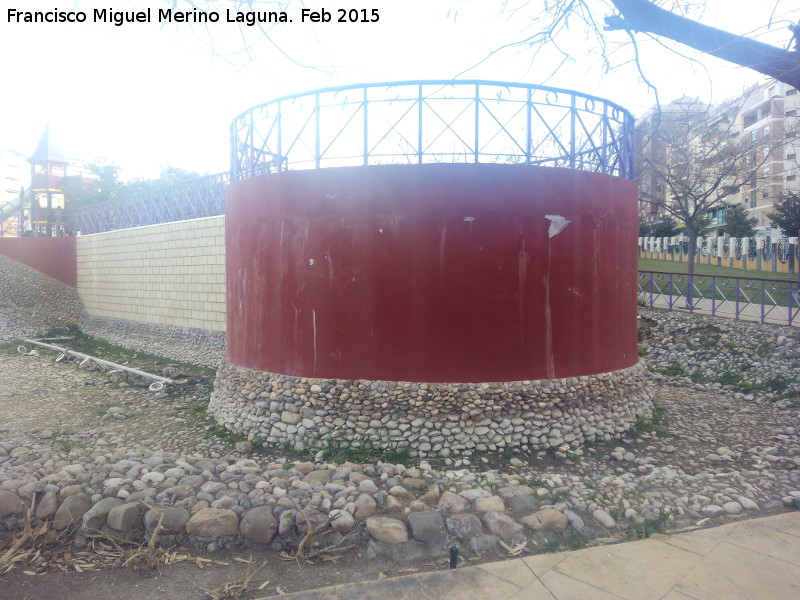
(235, 588)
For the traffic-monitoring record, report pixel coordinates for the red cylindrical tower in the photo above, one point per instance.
(437, 272)
(442, 266)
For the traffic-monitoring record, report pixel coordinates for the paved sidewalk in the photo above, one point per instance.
(752, 559)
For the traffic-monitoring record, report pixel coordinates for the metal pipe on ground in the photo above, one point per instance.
(108, 363)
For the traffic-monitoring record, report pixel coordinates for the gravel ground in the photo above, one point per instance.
(72, 407)
(719, 448)
(709, 453)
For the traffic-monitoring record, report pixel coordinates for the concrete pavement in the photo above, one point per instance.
(752, 559)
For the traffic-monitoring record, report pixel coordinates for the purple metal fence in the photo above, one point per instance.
(766, 300)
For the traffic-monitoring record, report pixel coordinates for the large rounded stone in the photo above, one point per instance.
(604, 518)
(175, 519)
(453, 503)
(427, 526)
(213, 522)
(546, 519)
(523, 504)
(125, 516)
(503, 526)
(71, 511)
(464, 526)
(10, 503)
(259, 525)
(365, 506)
(322, 476)
(491, 503)
(387, 530)
(48, 506)
(316, 520)
(95, 517)
(342, 521)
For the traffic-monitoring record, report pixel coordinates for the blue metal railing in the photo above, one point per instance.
(765, 300)
(415, 122)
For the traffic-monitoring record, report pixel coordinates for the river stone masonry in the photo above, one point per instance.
(430, 418)
(185, 344)
(32, 302)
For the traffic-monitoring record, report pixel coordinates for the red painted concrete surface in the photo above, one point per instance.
(55, 256)
(432, 273)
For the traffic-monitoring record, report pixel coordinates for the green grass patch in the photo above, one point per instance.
(674, 369)
(338, 450)
(222, 433)
(656, 424)
(65, 445)
(569, 539)
(736, 380)
(640, 531)
(778, 384)
(534, 482)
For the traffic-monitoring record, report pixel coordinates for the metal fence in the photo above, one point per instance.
(765, 300)
(193, 199)
(415, 122)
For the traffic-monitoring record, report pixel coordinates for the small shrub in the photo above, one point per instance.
(674, 369)
(655, 424)
(777, 384)
(736, 380)
(534, 483)
(573, 539)
(639, 531)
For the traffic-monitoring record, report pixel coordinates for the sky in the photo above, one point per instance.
(147, 95)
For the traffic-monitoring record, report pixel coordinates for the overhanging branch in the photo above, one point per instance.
(643, 15)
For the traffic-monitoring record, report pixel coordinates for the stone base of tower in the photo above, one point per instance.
(438, 419)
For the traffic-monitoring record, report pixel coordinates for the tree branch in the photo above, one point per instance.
(643, 15)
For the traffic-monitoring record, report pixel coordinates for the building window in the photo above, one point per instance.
(791, 156)
(765, 193)
(791, 113)
(791, 177)
(791, 92)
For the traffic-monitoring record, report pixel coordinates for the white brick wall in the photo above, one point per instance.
(172, 274)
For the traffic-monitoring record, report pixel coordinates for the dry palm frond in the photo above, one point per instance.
(307, 539)
(235, 589)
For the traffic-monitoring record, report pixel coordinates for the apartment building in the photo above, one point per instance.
(763, 124)
(770, 116)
